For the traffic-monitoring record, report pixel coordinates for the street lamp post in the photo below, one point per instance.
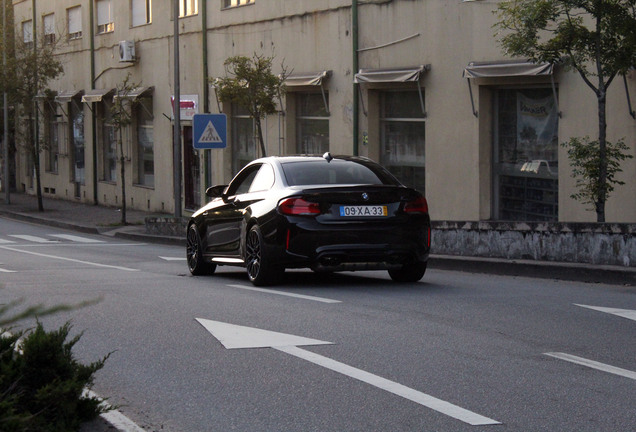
(176, 108)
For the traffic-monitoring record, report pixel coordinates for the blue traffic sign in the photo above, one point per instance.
(210, 131)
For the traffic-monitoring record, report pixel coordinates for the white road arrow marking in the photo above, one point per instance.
(287, 294)
(624, 313)
(6, 271)
(173, 258)
(593, 364)
(233, 336)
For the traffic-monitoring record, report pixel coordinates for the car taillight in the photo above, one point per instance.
(418, 205)
(298, 207)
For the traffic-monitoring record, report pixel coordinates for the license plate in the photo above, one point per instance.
(363, 211)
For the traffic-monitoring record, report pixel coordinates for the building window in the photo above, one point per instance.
(145, 143)
(109, 144)
(244, 143)
(77, 143)
(48, 22)
(51, 137)
(526, 155)
(105, 23)
(234, 3)
(27, 32)
(402, 131)
(141, 12)
(74, 17)
(188, 8)
(312, 123)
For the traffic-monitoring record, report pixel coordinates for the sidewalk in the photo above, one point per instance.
(98, 219)
(87, 218)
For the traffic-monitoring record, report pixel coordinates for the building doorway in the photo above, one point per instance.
(191, 171)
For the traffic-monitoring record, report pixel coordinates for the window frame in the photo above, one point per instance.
(142, 177)
(49, 28)
(139, 7)
(74, 28)
(302, 119)
(525, 171)
(188, 8)
(27, 32)
(230, 4)
(385, 119)
(105, 24)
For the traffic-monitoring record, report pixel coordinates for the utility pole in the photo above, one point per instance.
(176, 108)
(5, 180)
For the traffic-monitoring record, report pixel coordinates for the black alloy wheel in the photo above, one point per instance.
(259, 269)
(194, 254)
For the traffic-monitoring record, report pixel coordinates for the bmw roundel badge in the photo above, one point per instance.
(365, 196)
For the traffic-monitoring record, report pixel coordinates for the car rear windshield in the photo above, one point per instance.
(321, 172)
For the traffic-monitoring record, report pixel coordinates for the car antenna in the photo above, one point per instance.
(327, 156)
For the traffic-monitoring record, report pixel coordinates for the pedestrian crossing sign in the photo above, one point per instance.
(210, 131)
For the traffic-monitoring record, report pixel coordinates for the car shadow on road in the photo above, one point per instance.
(350, 281)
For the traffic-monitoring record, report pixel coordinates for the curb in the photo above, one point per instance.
(575, 272)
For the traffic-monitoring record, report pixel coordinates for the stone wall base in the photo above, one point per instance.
(599, 244)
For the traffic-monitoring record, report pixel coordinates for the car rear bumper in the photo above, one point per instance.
(334, 248)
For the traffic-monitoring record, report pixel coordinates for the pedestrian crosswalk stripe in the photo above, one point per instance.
(34, 239)
(76, 238)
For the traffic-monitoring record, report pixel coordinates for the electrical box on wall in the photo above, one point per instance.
(127, 51)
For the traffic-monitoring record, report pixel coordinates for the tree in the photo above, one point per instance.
(32, 67)
(596, 38)
(121, 113)
(251, 85)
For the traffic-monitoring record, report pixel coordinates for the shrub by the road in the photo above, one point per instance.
(42, 384)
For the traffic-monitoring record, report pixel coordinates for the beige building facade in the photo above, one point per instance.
(432, 98)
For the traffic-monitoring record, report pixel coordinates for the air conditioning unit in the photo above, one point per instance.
(127, 51)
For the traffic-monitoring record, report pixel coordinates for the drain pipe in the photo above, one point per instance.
(206, 86)
(354, 37)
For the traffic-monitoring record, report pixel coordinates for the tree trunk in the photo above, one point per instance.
(602, 171)
(259, 131)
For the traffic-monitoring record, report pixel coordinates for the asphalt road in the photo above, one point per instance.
(457, 348)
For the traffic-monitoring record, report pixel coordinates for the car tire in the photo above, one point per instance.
(260, 269)
(410, 272)
(194, 254)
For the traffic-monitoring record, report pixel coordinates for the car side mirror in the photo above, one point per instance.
(215, 191)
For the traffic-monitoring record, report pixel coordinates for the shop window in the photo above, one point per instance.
(145, 142)
(244, 142)
(105, 22)
(48, 22)
(402, 130)
(234, 3)
(51, 137)
(77, 144)
(109, 144)
(526, 155)
(74, 18)
(312, 123)
(141, 12)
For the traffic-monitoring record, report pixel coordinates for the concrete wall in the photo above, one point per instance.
(602, 244)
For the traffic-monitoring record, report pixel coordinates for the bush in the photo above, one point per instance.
(42, 384)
